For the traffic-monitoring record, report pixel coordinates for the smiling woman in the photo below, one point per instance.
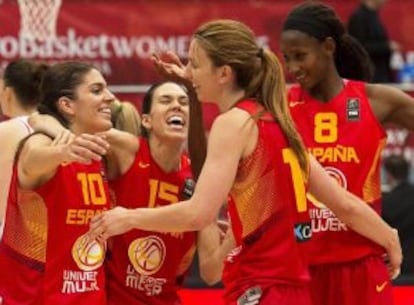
(155, 103)
(152, 171)
(340, 121)
(56, 186)
(256, 154)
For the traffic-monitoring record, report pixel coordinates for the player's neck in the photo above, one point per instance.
(166, 155)
(19, 111)
(328, 88)
(229, 98)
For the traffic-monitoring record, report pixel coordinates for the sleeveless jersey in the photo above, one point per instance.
(44, 239)
(149, 267)
(262, 213)
(23, 121)
(346, 138)
(23, 247)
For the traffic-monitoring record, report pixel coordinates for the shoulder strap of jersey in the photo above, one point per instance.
(23, 120)
(356, 86)
(255, 109)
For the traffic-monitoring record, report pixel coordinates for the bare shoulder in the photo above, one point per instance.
(235, 120)
(379, 91)
(390, 104)
(386, 94)
(235, 129)
(38, 140)
(11, 133)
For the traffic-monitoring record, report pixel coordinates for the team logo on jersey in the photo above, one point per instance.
(339, 178)
(147, 254)
(353, 109)
(88, 255)
(188, 188)
(251, 296)
(380, 288)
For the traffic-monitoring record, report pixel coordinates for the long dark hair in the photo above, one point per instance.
(60, 80)
(24, 77)
(320, 21)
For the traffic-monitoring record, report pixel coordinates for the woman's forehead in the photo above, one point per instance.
(93, 76)
(171, 89)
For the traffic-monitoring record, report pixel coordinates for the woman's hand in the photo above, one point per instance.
(393, 258)
(83, 148)
(109, 223)
(63, 137)
(169, 66)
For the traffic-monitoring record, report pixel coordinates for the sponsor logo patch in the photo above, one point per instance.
(251, 296)
(303, 231)
(353, 109)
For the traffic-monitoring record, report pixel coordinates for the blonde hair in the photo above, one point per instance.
(258, 71)
(125, 117)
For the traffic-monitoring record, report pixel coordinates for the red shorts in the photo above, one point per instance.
(365, 281)
(279, 294)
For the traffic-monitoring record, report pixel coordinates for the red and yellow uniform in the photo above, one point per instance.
(149, 267)
(44, 249)
(266, 262)
(345, 137)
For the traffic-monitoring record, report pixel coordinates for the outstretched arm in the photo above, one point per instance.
(121, 155)
(123, 145)
(40, 158)
(46, 124)
(228, 134)
(355, 213)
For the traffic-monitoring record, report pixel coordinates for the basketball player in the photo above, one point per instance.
(340, 121)
(254, 153)
(19, 96)
(54, 192)
(151, 171)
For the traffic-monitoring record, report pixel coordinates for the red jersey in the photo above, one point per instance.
(23, 247)
(262, 212)
(148, 267)
(346, 138)
(44, 239)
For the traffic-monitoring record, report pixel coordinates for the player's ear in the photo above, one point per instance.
(146, 121)
(66, 106)
(329, 46)
(225, 74)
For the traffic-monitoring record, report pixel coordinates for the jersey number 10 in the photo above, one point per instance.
(93, 190)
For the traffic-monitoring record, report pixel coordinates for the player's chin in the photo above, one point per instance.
(178, 135)
(103, 125)
(203, 98)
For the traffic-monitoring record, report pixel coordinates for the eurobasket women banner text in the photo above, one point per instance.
(120, 36)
